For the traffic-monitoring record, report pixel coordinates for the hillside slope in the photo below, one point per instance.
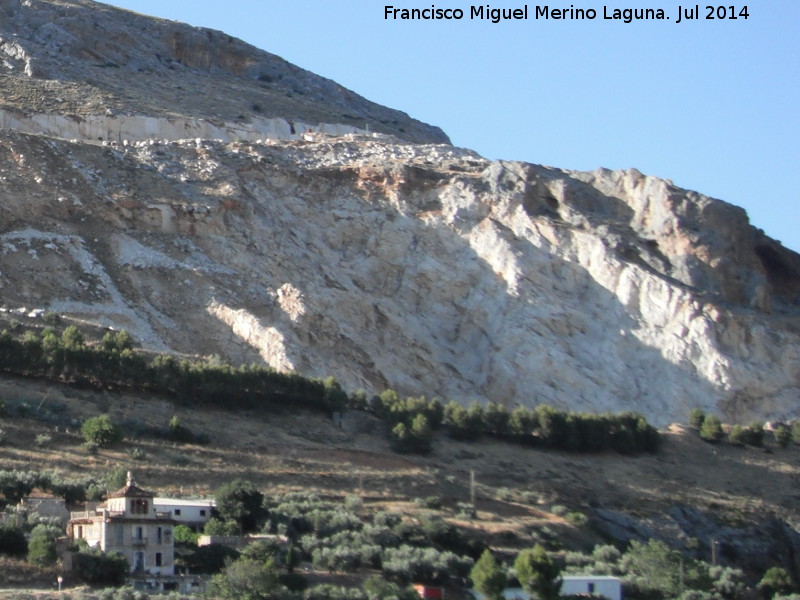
(688, 494)
(64, 63)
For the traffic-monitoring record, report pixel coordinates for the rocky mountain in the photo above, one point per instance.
(81, 69)
(383, 260)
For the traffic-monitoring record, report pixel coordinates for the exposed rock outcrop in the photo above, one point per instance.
(421, 267)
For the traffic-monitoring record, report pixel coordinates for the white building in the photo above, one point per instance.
(192, 512)
(128, 524)
(597, 585)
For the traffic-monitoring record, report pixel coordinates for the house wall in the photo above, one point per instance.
(610, 587)
(134, 539)
(186, 512)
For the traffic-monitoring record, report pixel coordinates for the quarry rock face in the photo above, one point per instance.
(419, 267)
(296, 238)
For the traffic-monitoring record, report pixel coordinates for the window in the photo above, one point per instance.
(139, 506)
(590, 588)
(118, 530)
(158, 559)
(159, 532)
(139, 534)
(177, 512)
(202, 512)
(80, 532)
(138, 561)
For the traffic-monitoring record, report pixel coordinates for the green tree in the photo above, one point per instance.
(538, 573)
(241, 502)
(783, 436)
(755, 434)
(664, 569)
(12, 541)
(184, 535)
(246, 579)
(487, 576)
(696, 418)
(207, 559)
(42, 546)
(738, 435)
(521, 422)
(377, 588)
(72, 338)
(496, 419)
(796, 432)
(775, 581)
(711, 431)
(98, 568)
(335, 396)
(101, 431)
(117, 342)
(418, 437)
(215, 526)
(464, 424)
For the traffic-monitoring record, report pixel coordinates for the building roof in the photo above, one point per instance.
(131, 490)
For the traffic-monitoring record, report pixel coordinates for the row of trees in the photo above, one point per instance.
(535, 570)
(711, 430)
(114, 363)
(411, 423)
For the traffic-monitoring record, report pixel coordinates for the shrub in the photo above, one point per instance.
(101, 431)
(43, 439)
(577, 519)
(178, 432)
(408, 563)
(711, 431)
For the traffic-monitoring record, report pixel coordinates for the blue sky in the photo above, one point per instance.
(710, 104)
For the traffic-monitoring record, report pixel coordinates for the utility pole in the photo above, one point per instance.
(472, 488)
(714, 552)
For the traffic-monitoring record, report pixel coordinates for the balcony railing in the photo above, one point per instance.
(139, 541)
